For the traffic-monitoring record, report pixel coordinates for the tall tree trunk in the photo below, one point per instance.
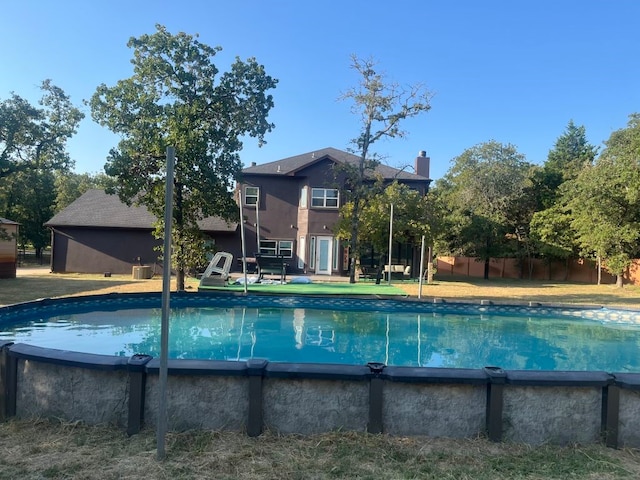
(381, 262)
(619, 280)
(487, 257)
(430, 266)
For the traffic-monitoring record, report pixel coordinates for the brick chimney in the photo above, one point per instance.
(422, 164)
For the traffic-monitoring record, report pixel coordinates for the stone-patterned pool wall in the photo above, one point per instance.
(520, 406)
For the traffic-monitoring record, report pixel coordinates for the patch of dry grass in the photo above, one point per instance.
(42, 449)
(518, 291)
(33, 283)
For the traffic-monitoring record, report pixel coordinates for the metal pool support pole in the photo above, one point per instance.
(243, 244)
(390, 244)
(419, 342)
(258, 221)
(421, 268)
(166, 289)
(386, 350)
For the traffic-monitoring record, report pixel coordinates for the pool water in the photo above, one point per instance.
(311, 335)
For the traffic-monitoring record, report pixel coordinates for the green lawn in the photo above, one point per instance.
(333, 288)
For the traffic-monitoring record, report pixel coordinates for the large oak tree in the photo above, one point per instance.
(488, 194)
(177, 97)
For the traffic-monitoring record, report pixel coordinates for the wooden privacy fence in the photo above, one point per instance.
(535, 269)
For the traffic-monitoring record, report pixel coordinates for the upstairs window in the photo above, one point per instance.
(324, 197)
(304, 192)
(251, 195)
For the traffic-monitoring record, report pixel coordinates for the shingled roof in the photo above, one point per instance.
(291, 165)
(95, 208)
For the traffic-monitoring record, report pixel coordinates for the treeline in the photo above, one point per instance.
(580, 203)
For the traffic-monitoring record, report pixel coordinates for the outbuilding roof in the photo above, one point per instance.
(291, 165)
(96, 208)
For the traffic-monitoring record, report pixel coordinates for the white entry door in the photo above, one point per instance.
(324, 254)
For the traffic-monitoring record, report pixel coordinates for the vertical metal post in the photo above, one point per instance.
(376, 382)
(8, 382)
(495, 401)
(610, 415)
(421, 267)
(390, 244)
(166, 293)
(255, 370)
(243, 243)
(137, 381)
(258, 221)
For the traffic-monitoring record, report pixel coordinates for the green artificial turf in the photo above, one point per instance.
(333, 288)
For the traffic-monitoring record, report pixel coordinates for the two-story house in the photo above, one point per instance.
(291, 205)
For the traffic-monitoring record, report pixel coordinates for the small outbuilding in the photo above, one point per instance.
(8, 248)
(99, 233)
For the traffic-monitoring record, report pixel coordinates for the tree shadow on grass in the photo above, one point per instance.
(28, 288)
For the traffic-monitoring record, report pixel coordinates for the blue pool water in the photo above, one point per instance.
(323, 331)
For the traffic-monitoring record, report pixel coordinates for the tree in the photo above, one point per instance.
(29, 197)
(570, 155)
(604, 201)
(69, 186)
(173, 99)
(550, 228)
(34, 139)
(381, 107)
(414, 215)
(488, 194)
(553, 236)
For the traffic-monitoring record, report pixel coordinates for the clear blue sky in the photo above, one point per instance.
(511, 71)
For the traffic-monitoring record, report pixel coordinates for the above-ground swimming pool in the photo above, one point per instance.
(334, 330)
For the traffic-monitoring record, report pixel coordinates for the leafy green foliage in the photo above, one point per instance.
(176, 98)
(32, 145)
(552, 233)
(488, 194)
(414, 215)
(33, 138)
(69, 186)
(604, 201)
(28, 198)
(570, 155)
